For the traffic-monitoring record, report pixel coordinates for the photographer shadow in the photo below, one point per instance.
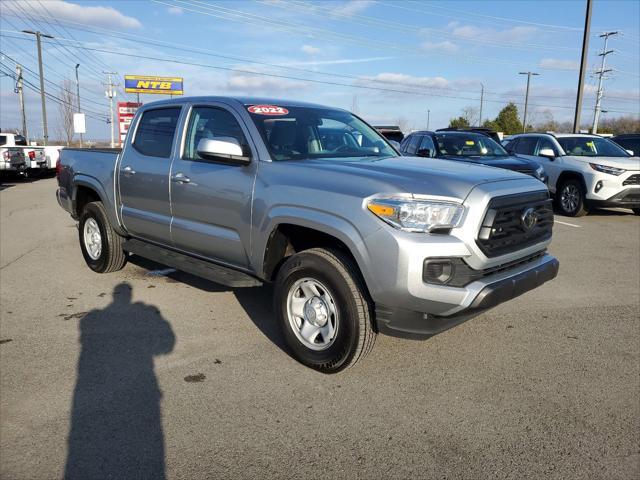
(116, 421)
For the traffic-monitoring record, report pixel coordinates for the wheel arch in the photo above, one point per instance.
(570, 174)
(87, 189)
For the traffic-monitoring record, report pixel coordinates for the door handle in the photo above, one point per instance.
(128, 171)
(180, 178)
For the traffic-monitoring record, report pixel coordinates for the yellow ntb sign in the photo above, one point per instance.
(144, 84)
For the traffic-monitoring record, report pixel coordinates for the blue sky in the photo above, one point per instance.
(390, 59)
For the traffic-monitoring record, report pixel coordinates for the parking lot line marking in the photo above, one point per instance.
(568, 224)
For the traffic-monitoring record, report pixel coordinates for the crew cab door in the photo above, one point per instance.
(143, 175)
(211, 200)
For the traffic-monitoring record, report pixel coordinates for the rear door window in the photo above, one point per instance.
(414, 142)
(155, 132)
(526, 145)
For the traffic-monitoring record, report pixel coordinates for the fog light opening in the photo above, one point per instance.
(598, 186)
(438, 271)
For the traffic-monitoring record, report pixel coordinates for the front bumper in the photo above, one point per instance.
(494, 290)
(627, 198)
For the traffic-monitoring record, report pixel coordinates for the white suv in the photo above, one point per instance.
(584, 170)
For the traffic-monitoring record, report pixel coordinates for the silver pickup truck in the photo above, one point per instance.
(357, 239)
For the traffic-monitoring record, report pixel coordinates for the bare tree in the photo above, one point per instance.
(403, 123)
(471, 115)
(67, 107)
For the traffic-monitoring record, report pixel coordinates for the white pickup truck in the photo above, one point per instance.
(31, 161)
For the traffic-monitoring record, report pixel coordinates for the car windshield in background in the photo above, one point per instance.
(297, 133)
(591, 147)
(461, 144)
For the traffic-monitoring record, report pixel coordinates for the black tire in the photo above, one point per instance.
(354, 337)
(571, 189)
(636, 211)
(112, 257)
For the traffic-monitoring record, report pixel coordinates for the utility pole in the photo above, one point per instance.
(110, 93)
(78, 95)
(42, 95)
(428, 118)
(481, 102)
(20, 91)
(583, 68)
(601, 73)
(526, 99)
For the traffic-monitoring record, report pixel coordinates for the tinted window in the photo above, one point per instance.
(591, 147)
(427, 143)
(155, 132)
(3, 139)
(20, 141)
(414, 141)
(210, 122)
(526, 145)
(546, 143)
(629, 144)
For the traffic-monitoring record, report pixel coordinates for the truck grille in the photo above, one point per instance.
(514, 222)
(632, 180)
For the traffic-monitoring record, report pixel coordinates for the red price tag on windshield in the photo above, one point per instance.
(268, 110)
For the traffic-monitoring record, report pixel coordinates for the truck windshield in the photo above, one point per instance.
(463, 144)
(591, 147)
(299, 133)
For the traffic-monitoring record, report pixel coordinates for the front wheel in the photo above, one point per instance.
(323, 310)
(570, 199)
(101, 246)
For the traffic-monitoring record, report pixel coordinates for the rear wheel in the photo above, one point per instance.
(636, 211)
(323, 309)
(570, 198)
(101, 246)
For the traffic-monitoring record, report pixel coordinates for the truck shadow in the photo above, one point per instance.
(116, 425)
(257, 302)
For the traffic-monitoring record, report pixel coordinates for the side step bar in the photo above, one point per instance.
(200, 268)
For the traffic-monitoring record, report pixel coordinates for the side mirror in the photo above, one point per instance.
(630, 152)
(424, 152)
(547, 152)
(223, 149)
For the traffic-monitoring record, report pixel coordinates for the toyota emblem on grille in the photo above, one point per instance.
(529, 218)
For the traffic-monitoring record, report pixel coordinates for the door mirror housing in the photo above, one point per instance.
(630, 152)
(223, 149)
(424, 152)
(547, 152)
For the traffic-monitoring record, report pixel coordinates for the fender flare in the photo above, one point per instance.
(327, 223)
(82, 180)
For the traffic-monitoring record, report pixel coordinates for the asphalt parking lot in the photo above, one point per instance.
(145, 373)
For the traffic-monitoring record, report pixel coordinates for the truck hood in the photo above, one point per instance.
(627, 163)
(415, 175)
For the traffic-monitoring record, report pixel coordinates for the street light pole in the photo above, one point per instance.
(583, 68)
(42, 94)
(481, 102)
(526, 99)
(78, 95)
(428, 118)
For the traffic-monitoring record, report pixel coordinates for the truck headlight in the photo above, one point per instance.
(606, 169)
(416, 215)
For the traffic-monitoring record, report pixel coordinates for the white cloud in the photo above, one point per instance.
(403, 80)
(510, 35)
(61, 10)
(558, 64)
(175, 10)
(310, 50)
(257, 84)
(352, 7)
(445, 46)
